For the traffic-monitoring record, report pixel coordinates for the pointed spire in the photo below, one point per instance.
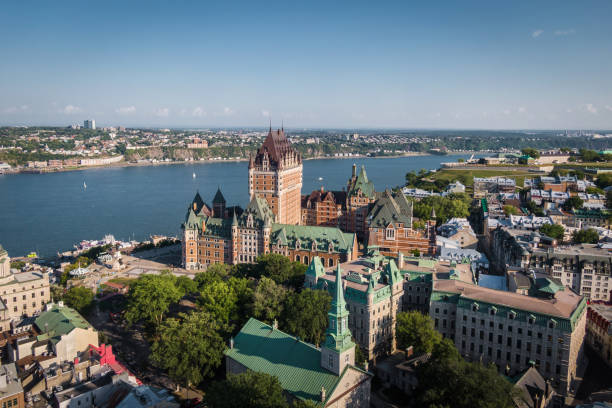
(270, 125)
(338, 298)
(433, 213)
(234, 219)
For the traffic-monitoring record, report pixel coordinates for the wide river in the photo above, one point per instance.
(47, 213)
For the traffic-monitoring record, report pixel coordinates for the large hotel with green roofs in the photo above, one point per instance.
(544, 329)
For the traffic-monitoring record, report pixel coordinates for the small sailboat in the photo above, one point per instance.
(194, 175)
(84, 186)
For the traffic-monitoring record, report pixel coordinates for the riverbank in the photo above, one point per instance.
(208, 161)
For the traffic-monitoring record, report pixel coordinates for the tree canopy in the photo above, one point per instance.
(555, 231)
(268, 300)
(250, 389)
(573, 203)
(280, 269)
(453, 205)
(79, 298)
(585, 236)
(416, 329)
(531, 152)
(465, 385)
(305, 314)
(149, 298)
(190, 348)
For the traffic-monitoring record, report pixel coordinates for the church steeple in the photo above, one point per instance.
(339, 348)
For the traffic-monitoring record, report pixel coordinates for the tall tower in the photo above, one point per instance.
(219, 204)
(275, 174)
(338, 351)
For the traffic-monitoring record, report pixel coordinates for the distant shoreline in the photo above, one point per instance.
(161, 163)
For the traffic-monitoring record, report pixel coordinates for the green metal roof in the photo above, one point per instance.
(316, 267)
(362, 184)
(285, 234)
(258, 210)
(295, 363)
(391, 208)
(548, 286)
(58, 321)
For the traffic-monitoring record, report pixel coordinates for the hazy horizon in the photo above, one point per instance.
(465, 66)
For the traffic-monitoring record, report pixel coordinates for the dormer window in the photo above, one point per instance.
(512, 315)
(390, 234)
(531, 319)
(552, 323)
(493, 311)
(475, 307)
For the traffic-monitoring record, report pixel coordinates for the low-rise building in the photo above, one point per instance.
(390, 227)
(459, 229)
(11, 389)
(487, 185)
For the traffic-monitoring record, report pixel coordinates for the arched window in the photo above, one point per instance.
(306, 259)
(331, 261)
(297, 258)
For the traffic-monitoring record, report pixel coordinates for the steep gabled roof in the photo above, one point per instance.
(391, 208)
(219, 199)
(361, 183)
(277, 146)
(259, 210)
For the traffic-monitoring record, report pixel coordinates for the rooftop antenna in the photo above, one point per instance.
(282, 125)
(270, 125)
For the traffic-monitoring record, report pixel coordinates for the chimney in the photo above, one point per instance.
(409, 351)
(275, 325)
(400, 260)
(354, 170)
(322, 394)
(231, 342)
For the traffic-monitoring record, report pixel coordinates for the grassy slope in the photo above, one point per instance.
(451, 175)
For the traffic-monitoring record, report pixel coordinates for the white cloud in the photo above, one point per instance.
(565, 32)
(71, 109)
(265, 113)
(162, 112)
(198, 112)
(16, 109)
(537, 33)
(126, 110)
(591, 108)
(608, 107)
(521, 109)
(228, 111)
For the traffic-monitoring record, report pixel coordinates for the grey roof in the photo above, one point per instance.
(391, 208)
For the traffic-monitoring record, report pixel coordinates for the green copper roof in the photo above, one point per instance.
(257, 211)
(296, 364)
(362, 184)
(322, 237)
(391, 208)
(338, 336)
(218, 227)
(315, 268)
(58, 321)
(548, 286)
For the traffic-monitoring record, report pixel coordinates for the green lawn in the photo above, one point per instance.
(452, 175)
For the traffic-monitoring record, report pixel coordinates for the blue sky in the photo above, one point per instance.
(470, 64)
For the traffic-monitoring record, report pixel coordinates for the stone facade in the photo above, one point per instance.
(599, 331)
(23, 294)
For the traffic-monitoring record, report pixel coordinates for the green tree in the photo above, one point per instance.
(510, 210)
(305, 314)
(79, 298)
(280, 269)
(453, 205)
(149, 298)
(417, 330)
(268, 300)
(250, 389)
(219, 299)
(604, 180)
(585, 236)
(573, 203)
(186, 285)
(531, 152)
(588, 155)
(190, 348)
(555, 231)
(465, 385)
